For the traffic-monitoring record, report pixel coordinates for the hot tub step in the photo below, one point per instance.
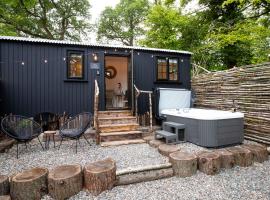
(174, 125)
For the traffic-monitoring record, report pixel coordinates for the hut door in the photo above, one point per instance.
(117, 82)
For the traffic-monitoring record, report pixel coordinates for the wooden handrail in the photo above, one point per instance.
(138, 92)
(96, 102)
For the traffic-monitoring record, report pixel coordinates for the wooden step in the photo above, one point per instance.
(115, 113)
(120, 136)
(123, 142)
(117, 120)
(118, 127)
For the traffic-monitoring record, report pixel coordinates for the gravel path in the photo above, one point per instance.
(238, 183)
(125, 156)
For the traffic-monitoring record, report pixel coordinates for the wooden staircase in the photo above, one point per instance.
(118, 127)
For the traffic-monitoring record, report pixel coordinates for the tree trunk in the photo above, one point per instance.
(227, 158)
(29, 184)
(4, 185)
(209, 163)
(243, 157)
(5, 197)
(65, 181)
(183, 164)
(100, 176)
(166, 149)
(259, 152)
(149, 175)
(155, 143)
(149, 138)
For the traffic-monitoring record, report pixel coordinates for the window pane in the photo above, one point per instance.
(162, 69)
(75, 65)
(173, 69)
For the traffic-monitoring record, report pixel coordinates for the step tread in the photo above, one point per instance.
(174, 124)
(165, 133)
(114, 111)
(120, 133)
(116, 118)
(116, 125)
(122, 142)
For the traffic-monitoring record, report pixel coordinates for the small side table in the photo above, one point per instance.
(48, 135)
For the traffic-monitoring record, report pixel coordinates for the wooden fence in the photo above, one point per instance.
(245, 88)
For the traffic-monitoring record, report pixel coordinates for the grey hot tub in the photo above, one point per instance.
(209, 128)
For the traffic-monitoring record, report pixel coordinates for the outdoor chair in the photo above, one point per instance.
(75, 127)
(47, 120)
(22, 129)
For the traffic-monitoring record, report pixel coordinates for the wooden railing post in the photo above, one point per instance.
(138, 92)
(96, 102)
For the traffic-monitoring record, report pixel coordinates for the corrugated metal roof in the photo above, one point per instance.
(37, 40)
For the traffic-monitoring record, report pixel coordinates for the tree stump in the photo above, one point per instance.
(227, 158)
(209, 163)
(166, 149)
(29, 184)
(5, 197)
(259, 152)
(4, 185)
(65, 181)
(100, 176)
(183, 164)
(243, 157)
(155, 143)
(148, 138)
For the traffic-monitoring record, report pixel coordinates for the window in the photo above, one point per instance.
(167, 69)
(75, 65)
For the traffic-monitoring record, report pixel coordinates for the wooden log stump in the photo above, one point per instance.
(100, 176)
(183, 164)
(155, 143)
(227, 158)
(5, 197)
(259, 152)
(29, 184)
(243, 157)
(148, 138)
(4, 185)
(166, 149)
(65, 181)
(209, 163)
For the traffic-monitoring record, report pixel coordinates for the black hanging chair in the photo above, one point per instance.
(75, 127)
(21, 128)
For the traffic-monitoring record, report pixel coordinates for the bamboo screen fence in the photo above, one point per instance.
(246, 88)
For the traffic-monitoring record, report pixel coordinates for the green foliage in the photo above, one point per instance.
(52, 19)
(124, 22)
(222, 35)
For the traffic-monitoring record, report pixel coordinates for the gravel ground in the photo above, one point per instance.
(251, 183)
(125, 156)
(237, 183)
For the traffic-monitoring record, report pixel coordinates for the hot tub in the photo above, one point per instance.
(208, 128)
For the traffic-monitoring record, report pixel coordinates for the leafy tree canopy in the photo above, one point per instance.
(51, 19)
(124, 22)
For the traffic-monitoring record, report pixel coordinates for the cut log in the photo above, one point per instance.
(259, 152)
(149, 138)
(144, 176)
(155, 143)
(227, 158)
(243, 157)
(5, 197)
(29, 184)
(183, 164)
(65, 181)
(166, 149)
(100, 176)
(209, 163)
(4, 185)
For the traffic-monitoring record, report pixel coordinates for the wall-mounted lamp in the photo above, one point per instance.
(95, 57)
